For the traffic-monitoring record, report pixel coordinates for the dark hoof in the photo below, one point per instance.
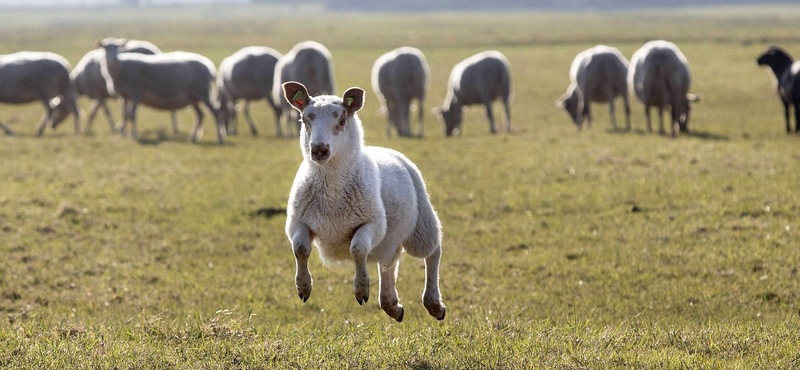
(304, 298)
(402, 313)
(444, 312)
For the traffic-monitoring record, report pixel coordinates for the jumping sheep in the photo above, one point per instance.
(359, 203)
(247, 74)
(166, 81)
(29, 76)
(479, 79)
(309, 63)
(784, 72)
(398, 77)
(660, 77)
(88, 79)
(598, 74)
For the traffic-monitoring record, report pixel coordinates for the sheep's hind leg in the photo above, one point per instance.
(174, 115)
(92, 113)
(431, 297)
(108, 116)
(661, 120)
(249, 119)
(390, 303)
(198, 122)
(301, 246)
(612, 113)
(490, 115)
(796, 118)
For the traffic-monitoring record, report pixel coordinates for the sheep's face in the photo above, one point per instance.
(60, 110)
(111, 45)
(570, 102)
(772, 56)
(686, 109)
(451, 117)
(328, 123)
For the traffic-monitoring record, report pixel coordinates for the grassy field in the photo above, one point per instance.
(160, 254)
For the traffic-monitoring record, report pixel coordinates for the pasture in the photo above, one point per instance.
(562, 249)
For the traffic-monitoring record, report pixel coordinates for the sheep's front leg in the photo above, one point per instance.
(249, 119)
(301, 246)
(390, 303)
(490, 115)
(360, 247)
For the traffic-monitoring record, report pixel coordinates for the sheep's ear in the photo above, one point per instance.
(100, 43)
(694, 98)
(296, 94)
(122, 42)
(353, 100)
(560, 102)
(437, 111)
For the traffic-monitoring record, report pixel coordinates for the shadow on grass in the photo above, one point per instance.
(693, 134)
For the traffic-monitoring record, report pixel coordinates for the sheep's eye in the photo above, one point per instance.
(342, 120)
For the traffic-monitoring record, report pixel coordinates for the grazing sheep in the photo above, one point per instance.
(89, 81)
(309, 63)
(600, 75)
(660, 77)
(398, 77)
(247, 74)
(163, 81)
(359, 203)
(479, 79)
(28, 76)
(784, 72)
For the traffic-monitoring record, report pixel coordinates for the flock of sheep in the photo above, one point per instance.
(138, 72)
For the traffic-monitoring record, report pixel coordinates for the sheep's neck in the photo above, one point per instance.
(780, 66)
(112, 62)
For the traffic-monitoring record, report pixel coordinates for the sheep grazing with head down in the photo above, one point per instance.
(309, 63)
(659, 75)
(359, 203)
(247, 74)
(479, 79)
(29, 76)
(598, 74)
(398, 77)
(784, 72)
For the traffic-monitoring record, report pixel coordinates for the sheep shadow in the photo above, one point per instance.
(702, 135)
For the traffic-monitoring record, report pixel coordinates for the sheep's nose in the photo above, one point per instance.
(320, 151)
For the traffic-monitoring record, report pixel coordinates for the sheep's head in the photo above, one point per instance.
(60, 110)
(773, 56)
(571, 103)
(451, 117)
(112, 45)
(685, 110)
(328, 123)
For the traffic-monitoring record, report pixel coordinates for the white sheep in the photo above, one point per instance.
(29, 76)
(247, 74)
(598, 74)
(398, 77)
(479, 79)
(88, 79)
(309, 63)
(166, 81)
(359, 203)
(659, 75)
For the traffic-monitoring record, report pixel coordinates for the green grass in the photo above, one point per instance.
(120, 254)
